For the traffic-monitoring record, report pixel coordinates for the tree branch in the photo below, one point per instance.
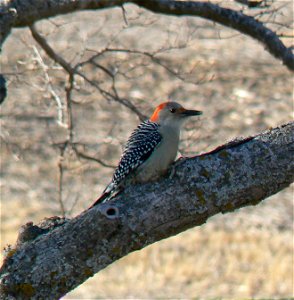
(227, 17)
(25, 13)
(237, 174)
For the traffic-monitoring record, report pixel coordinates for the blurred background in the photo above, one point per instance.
(59, 145)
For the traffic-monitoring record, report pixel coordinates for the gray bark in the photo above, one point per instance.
(241, 173)
(25, 13)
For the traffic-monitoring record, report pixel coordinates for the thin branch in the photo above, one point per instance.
(49, 51)
(74, 71)
(60, 181)
(92, 158)
(108, 96)
(25, 13)
(252, 3)
(70, 123)
(55, 96)
(227, 17)
(153, 58)
(124, 13)
(69, 120)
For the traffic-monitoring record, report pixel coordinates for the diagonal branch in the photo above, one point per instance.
(241, 173)
(227, 17)
(25, 13)
(49, 51)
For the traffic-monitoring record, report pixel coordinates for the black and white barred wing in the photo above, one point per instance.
(138, 149)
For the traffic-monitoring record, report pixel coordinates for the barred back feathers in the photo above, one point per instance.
(139, 147)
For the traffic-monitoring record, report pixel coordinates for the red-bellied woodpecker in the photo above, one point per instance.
(151, 148)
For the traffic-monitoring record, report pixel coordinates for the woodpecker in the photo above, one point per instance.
(151, 148)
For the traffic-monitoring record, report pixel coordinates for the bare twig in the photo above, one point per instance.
(92, 158)
(60, 109)
(60, 180)
(49, 50)
(24, 13)
(153, 57)
(124, 13)
(108, 96)
(70, 123)
(227, 17)
(69, 120)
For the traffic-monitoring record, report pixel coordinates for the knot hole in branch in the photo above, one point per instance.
(110, 212)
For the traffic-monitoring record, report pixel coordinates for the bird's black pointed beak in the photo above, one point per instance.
(191, 112)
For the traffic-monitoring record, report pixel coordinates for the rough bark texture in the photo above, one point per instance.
(241, 173)
(25, 13)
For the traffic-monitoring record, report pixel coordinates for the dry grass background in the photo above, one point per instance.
(243, 91)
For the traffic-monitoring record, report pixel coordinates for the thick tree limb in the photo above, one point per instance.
(238, 174)
(25, 13)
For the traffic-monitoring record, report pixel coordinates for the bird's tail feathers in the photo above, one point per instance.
(107, 193)
(101, 199)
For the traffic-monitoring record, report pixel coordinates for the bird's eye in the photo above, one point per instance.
(172, 110)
